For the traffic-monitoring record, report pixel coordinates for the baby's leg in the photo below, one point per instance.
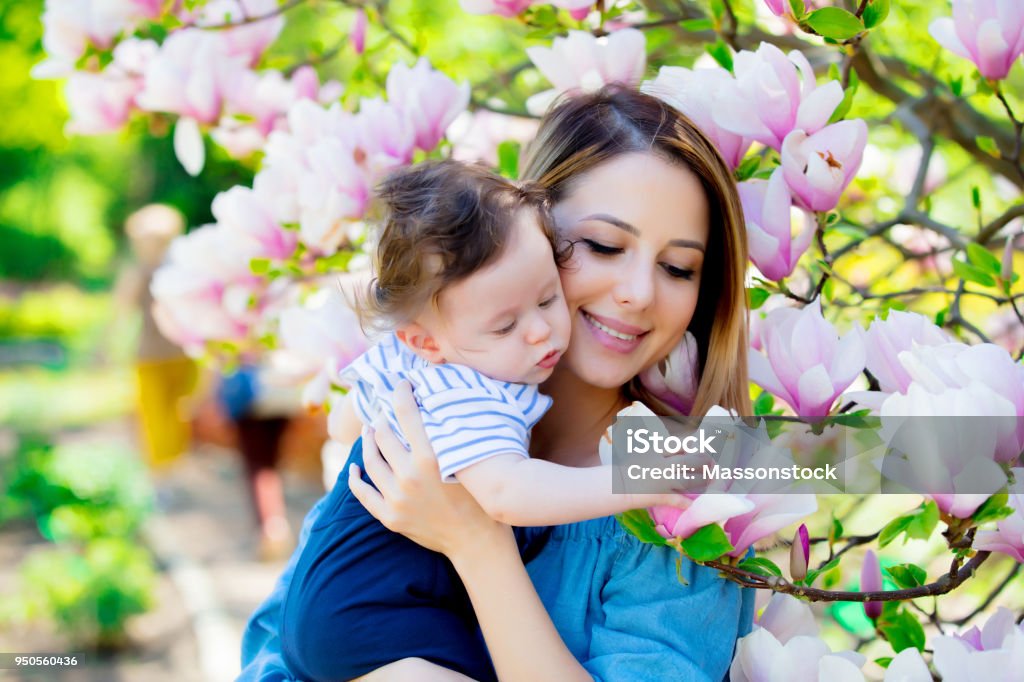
(362, 598)
(413, 670)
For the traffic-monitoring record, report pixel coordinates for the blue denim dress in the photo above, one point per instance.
(617, 603)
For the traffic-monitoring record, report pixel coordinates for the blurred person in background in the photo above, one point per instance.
(165, 377)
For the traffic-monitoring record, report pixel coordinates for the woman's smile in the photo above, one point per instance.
(613, 334)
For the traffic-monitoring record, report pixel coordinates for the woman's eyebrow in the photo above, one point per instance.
(623, 225)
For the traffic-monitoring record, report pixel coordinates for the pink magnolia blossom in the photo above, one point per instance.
(674, 379)
(775, 246)
(805, 362)
(771, 513)
(581, 62)
(248, 40)
(787, 617)
(908, 666)
(99, 102)
(990, 33)
(357, 34)
(692, 92)
(871, 581)
(1008, 537)
(475, 136)
(70, 26)
(319, 338)
(773, 95)
(578, 9)
(819, 167)
(428, 99)
(779, 8)
(800, 553)
(886, 339)
(385, 136)
(503, 8)
(249, 220)
(992, 653)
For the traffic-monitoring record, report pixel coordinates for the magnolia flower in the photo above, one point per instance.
(250, 39)
(951, 460)
(581, 62)
(784, 646)
(871, 581)
(357, 34)
(692, 92)
(886, 339)
(787, 617)
(771, 513)
(427, 98)
(779, 8)
(993, 653)
(1008, 538)
(475, 136)
(799, 553)
(503, 8)
(819, 167)
(908, 666)
(988, 32)
(805, 362)
(248, 219)
(99, 102)
(385, 136)
(674, 379)
(775, 246)
(773, 95)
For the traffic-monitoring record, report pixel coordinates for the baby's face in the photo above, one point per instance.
(509, 320)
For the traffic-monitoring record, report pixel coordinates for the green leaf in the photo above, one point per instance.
(987, 145)
(761, 566)
(710, 542)
(858, 419)
(993, 509)
(902, 629)
(940, 317)
(956, 85)
(983, 258)
(718, 9)
(883, 661)
(875, 13)
(721, 54)
(259, 266)
(764, 403)
(917, 524)
(834, 23)
(971, 273)
(907, 575)
(813, 574)
(798, 8)
(836, 531)
(756, 296)
(639, 523)
(748, 168)
(508, 159)
(697, 25)
(976, 197)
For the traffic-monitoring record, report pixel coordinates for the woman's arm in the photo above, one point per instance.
(415, 502)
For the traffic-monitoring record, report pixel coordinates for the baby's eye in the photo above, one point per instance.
(678, 273)
(506, 330)
(549, 302)
(601, 249)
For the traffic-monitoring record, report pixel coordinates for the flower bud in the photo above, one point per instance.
(358, 35)
(799, 553)
(871, 581)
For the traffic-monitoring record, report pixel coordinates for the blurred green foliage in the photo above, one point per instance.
(90, 500)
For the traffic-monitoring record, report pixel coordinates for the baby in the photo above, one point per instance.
(467, 284)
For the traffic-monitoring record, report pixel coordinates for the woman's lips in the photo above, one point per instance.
(612, 334)
(550, 360)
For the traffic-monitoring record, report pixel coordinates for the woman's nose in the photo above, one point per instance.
(635, 287)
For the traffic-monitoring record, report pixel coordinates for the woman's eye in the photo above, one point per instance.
(601, 249)
(507, 329)
(678, 273)
(549, 302)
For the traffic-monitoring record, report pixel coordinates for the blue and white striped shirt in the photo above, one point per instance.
(467, 416)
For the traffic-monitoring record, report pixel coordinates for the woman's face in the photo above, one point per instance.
(640, 229)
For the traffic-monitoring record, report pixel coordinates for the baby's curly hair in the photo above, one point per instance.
(444, 220)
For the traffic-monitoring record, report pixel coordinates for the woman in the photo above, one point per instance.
(659, 249)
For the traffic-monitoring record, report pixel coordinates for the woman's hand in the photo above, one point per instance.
(412, 498)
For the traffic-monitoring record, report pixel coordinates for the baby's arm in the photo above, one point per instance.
(519, 491)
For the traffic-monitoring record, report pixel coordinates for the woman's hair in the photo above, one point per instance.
(444, 220)
(584, 131)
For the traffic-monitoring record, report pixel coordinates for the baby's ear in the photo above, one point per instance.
(420, 341)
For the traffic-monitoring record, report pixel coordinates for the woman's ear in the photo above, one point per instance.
(420, 341)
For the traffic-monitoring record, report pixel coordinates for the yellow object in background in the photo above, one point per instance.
(164, 387)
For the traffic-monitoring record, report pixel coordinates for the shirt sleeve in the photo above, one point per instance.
(262, 659)
(656, 628)
(468, 425)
